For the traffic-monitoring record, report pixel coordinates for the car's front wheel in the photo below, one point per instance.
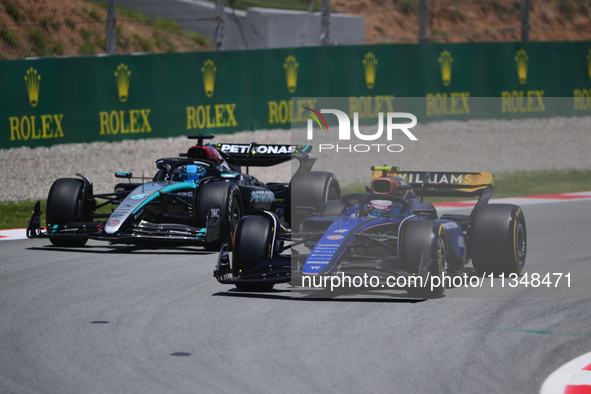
(65, 204)
(423, 242)
(227, 196)
(253, 244)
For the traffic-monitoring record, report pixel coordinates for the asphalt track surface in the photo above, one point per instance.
(121, 319)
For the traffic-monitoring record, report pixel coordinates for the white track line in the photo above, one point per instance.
(13, 233)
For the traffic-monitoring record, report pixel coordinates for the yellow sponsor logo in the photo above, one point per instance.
(122, 78)
(522, 101)
(124, 122)
(280, 112)
(26, 127)
(370, 107)
(35, 127)
(582, 99)
(208, 70)
(211, 116)
(521, 60)
(445, 64)
(291, 73)
(33, 82)
(455, 103)
(370, 64)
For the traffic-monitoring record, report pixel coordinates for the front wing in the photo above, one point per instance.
(283, 268)
(135, 233)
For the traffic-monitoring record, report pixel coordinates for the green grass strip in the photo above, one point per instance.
(16, 214)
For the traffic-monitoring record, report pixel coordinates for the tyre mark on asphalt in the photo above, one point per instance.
(541, 332)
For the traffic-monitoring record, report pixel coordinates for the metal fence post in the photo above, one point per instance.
(220, 27)
(525, 20)
(325, 23)
(111, 28)
(423, 21)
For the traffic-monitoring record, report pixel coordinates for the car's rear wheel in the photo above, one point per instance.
(309, 189)
(65, 204)
(252, 245)
(498, 239)
(423, 241)
(227, 196)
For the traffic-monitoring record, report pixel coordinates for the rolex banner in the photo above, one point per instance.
(110, 98)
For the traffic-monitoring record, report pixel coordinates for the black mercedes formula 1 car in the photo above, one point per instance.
(388, 233)
(195, 199)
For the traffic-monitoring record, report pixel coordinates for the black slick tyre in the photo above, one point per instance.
(498, 239)
(310, 189)
(227, 196)
(65, 204)
(253, 243)
(423, 241)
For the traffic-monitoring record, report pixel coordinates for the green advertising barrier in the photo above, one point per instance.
(110, 98)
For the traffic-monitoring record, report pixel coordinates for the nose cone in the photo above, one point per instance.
(127, 208)
(112, 225)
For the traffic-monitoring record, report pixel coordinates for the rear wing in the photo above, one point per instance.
(443, 183)
(264, 155)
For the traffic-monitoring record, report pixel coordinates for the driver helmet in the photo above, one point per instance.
(379, 208)
(191, 173)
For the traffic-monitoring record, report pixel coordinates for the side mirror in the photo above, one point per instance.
(164, 166)
(123, 175)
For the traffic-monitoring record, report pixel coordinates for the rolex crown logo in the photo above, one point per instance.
(445, 63)
(33, 82)
(122, 77)
(369, 68)
(208, 70)
(589, 64)
(521, 60)
(291, 73)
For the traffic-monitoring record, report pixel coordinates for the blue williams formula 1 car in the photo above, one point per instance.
(388, 232)
(195, 199)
